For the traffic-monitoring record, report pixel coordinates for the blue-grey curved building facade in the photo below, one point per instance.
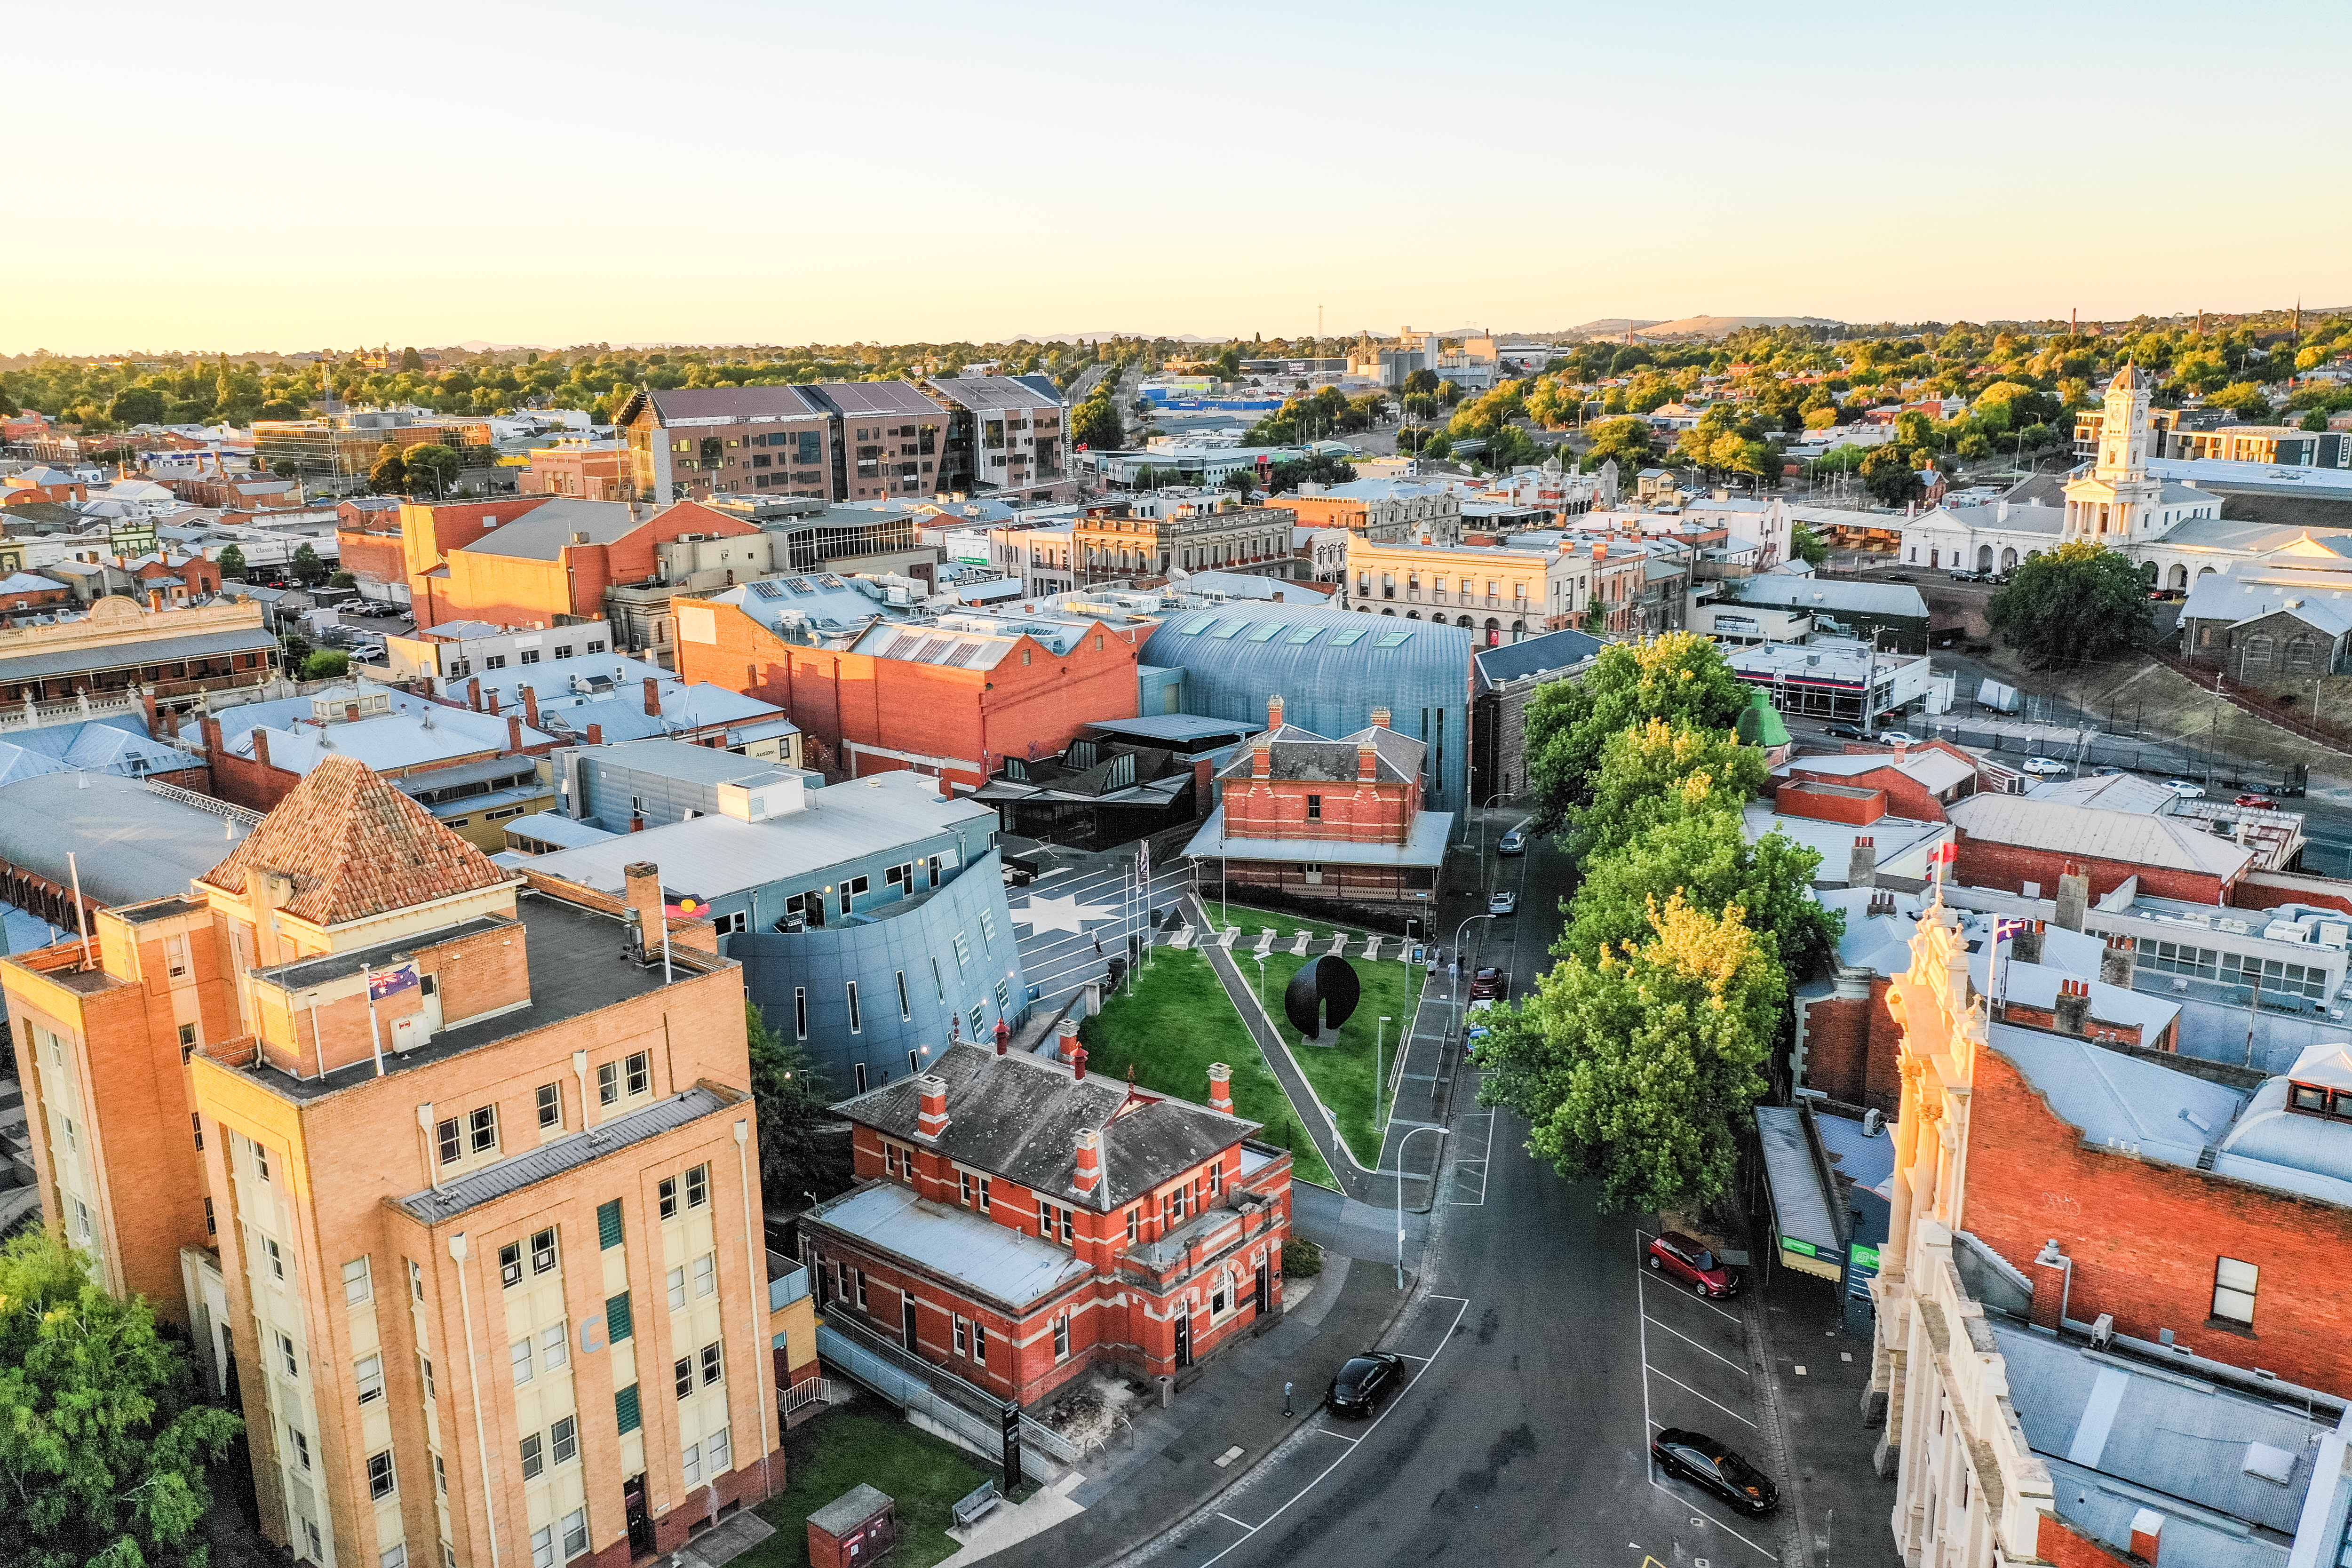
(1331, 670)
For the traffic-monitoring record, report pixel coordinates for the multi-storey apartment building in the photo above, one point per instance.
(1119, 540)
(888, 440)
(695, 442)
(1019, 1222)
(1004, 432)
(458, 1180)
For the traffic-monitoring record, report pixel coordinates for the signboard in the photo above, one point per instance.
(1862, 1268)
(1724, 623)
(1806, 1259)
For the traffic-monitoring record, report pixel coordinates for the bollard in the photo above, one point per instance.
(1285, 1401)
(1167, 1391)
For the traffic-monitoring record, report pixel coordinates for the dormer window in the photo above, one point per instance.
(2314, 1099)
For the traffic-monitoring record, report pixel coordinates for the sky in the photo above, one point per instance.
(263, 176)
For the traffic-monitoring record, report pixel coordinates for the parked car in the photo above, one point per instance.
(1898, 738)
(1679, 1258)
(1843, 731)
(2185, 789)
(1365, 1383)
(1489, 984)
(1996, 578)
(1964, 576)
(2259, 802)
(1700, 1458)
(2042, 767)
(1901, 577)
(1515, 842)
(1502, 901)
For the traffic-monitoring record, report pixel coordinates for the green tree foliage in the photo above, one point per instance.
(1321, 469)
(789, 1096)
(1638, 1066)
(1658, 773)
(1892, 475)
(1095, 424)
(1680, 678)
(1627, 440)
(1708, 860)
(231, 561)
(307, 566)
(1422, 383)
(1805, 546)
(432, 467)
(342, 580)
(388, 474)
(327, 664)
(2078, 603)
(136, 405)
(103, 1443)
(411, 363)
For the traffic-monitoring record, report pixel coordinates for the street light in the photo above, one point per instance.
(1457, 971)
(1487, 871)
(1400, 1188)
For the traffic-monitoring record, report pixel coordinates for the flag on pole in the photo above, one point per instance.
(1942, 856)
(384, 982)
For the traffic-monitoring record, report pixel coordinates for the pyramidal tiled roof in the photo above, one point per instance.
(355, 847)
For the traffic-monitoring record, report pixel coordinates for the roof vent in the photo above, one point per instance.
(2271, 1464)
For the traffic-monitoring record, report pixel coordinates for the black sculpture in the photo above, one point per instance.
(1328, 986)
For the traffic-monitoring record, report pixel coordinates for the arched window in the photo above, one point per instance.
(2298, 655)
(2009, 560)
(2255, 658)
(1494, 632)
(1984, 557)
(2180, 576)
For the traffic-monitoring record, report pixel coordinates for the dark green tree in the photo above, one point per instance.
(327, 664)
(103, 1442)
(1095, 424)
(389, 475)
(1891, 473)
(306, 565)
(1708, 860)
(231, 562)
(1627, 440)
(1681, 678)
(136, 405)
(1806, 546)
(2078, 603)
(411, 363)
(1660, 772)
(432, 466)
(790, 1097)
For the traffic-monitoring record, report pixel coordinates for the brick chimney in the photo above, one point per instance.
(2025, 947)
(2048, 1273)
(1862, 862)
(2073, 1009)
(1379, 717)
(261, 747)
(2147, 1535)
(653, 698)
(1078, 1066)
(1274, 712)
(595, 734)
(474, 694)
(1881, 902)
(514, 732)
(643, 893)
(494, 704)
(2074, 896)
(1368, 762)
(1066, 1041)
(932, 1119)
(2117, 964)
(351, 712)
(1089, 1176)
(154, 599)
(1221, 1088)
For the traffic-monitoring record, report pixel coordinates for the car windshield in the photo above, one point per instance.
(1738, 1471)
(1702, 1259)
(1355, 1374)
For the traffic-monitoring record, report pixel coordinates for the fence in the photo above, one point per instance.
(807, 1392)
(963, 1411)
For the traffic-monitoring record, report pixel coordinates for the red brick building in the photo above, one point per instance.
(1020, 1222)
(177, 577)
(1311, 816)
(2019, 844)
(532, 559)
(951, 699)
(368, 540)
(1920, 783)
(589, 470)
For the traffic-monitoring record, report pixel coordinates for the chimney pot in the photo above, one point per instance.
(1089, 1161)
(595, 734)
(1379, 717)
(514, 732)
(2147, 1533)
(1066, 1041)
(531, 706)
(1274, 712)
(1221, 1088)
(931, 1120)
(1004, 1035)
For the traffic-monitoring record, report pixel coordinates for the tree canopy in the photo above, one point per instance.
(1707, 860)
(1658, 773)
(432, 466)
(103, 1443)
(2077, 603)
(1095, 424)
(788, 1098)
(1680, 676)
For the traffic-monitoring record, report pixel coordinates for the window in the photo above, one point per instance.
(693, 1460)
(625, 1413)
(1314, 808)
(424, 1373)
(495, 661)
(706, 1274)
(381, 1482)
(542, 1251)
(620, 1321)
(861, 1290)
(575, 1532)
(449, 1144)
(914, 1061)
(1062, 1337)
(440, 1476)
(211, 1227)
(850, 890)
(533, 1456)
(286, 1354)
(260, 1163)
(641, 1072)
(563, 1441)
(555, 1344)
(681, 1373)
(905, 1008)
(714, 1364)
(195, 1119)
(676, 1288)
(1134, 1226)
(369, 1378)
(608, 1084)
(518, 1355)
(979, 1342)
(187, 1040)
(608, 1224)
(482, 1130)
(2233, 1290)
(728, 925)
(551, 1106)
(359, 1288)
(510, 1264)
(268, 1245)
(697, 1187)
(415, 1279)
(718, 1450)
(963, 1337)
(543, 1547)
(800, 1012)
(302, 1445)
(938, 984)
(667, 1195)
(962, 953)
(856, 1024)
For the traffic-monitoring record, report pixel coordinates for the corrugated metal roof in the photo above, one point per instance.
(1425, 848)
(734, 402)
(2067, 829)
(991, 1260)
(549, 1160)
(859, 399)
(129, 842)
(123, 656)
(540, 533)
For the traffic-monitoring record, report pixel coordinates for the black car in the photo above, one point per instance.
(1700, 1458)
(1844, 731)
(1365, 1383)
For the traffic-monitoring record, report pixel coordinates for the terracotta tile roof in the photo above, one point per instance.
(355, 847)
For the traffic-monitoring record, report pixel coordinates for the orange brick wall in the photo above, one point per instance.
(2008, 866)
(2064, 1546)
(1851, 1046)
(372, 557)
(2146, 1239)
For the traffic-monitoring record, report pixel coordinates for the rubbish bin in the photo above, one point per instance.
(855, 1528)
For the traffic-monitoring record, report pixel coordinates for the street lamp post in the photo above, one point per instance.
(1456, 1022)
(1400, 1189)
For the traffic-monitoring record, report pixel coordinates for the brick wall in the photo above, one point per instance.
(1905, 797)
(2146, 1239)
(2063, 1545)
(372, 557)
(2008, 866)
(1855, 806)
(1851, 1046)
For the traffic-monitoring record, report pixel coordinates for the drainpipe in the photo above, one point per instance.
(473, 1383)
(760, 1355)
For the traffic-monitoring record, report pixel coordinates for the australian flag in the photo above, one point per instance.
(384, 982)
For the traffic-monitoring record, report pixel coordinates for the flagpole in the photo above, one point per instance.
(375, 1034)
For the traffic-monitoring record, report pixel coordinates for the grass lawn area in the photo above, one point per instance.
(1179, 1021)
(1342, 1075)
(868, 1442)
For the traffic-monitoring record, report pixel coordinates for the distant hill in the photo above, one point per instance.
(1718, 326)
(1608, 327)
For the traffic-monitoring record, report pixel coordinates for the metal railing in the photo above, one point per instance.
(788, 1287)
(896, 1364)
(808, 1391)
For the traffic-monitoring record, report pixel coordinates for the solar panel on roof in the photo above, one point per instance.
(1392, 639)
(799, 584)
(1350, 636)
(1227, 628)
(965, 652)
(1267, 632)
(1303, 634)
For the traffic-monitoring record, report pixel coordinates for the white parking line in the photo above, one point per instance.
(1695, 1394)
(1682, 1501)
(1327, 1432)
(1310, 1486)
(1651, 1275)
(1700, 1347)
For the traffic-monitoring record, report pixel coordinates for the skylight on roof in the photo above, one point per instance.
(1266, 633)
(767, 590)
(1197, 627)
(1392, 639)
(1350, 636)
(1303, 634)
(1227, 628)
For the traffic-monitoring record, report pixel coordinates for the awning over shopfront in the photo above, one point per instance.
(1806, 1215)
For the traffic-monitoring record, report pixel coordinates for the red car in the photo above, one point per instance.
(1489, 984)
(1687, 1262)
(2260, 802)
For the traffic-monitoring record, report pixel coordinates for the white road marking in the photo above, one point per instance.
(1656, 1276)
(1229, 1518)
(1700, 1347)
(1695, 1394)
(1710, 1519)
(1327, 1432)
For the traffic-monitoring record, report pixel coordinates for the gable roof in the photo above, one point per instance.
(1019, 1116)
(2061, 827)
(1300, 754)
(355, 847)
(727, 404)
(540, 533)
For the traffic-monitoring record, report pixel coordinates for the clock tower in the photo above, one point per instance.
(2115, 502)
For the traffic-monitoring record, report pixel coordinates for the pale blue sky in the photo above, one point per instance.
(287, 176)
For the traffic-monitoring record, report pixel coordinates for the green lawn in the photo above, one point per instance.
(1342, 1075)
(866, 1442)
(1179, 1021)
